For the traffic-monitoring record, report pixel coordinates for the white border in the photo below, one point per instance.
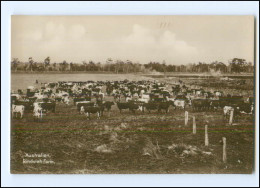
(114, 8)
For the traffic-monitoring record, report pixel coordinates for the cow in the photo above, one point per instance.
(179, 104)
(92, 110)
(84, 104)
(37, 111)
(17, 109)
(28, 106)
(143, 100)
(201, 104)
(132, 106)
(150, 106)
(48, 106)
(164, 106)
(246, 108)
(108, 105)
(214, 104)
(227, 110)
(66, 100)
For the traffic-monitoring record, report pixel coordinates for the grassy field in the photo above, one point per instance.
(130, 143)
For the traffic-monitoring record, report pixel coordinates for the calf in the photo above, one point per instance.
(17, 109)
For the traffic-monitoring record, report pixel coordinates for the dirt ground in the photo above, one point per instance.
(127, 143)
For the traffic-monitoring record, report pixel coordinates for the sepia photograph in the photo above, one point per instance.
(132, 94)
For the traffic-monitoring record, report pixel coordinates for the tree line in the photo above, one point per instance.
(236, 65)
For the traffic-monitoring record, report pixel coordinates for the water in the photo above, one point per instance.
(22, 81)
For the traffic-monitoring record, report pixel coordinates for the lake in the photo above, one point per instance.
(23, 80)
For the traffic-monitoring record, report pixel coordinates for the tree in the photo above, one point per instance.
(47, 62)
(14, 64)
(30, 60)
(238, 65)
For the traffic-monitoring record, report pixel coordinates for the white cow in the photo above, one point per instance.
(17, 109)
(143, 100)
(66, 100)
(82, 102)
(82, 110)
(179, 103)
(37, 110)
(16, 95)
(128, 99)
(145, 96)
(227, 110)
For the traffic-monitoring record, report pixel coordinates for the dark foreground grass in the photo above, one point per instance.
(131, 143)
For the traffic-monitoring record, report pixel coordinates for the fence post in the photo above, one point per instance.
(224, 150)
(206, 136)
(194, 125)
(231, 117)
(186, 118)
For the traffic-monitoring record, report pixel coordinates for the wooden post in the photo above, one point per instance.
(194, 125)
(206, 136)
(231, 117)
(224, 150)
(186, 118)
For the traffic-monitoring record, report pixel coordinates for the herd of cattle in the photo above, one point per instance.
(96, 97)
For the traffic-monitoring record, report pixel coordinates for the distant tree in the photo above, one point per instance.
(14, 64)
(238, 65)
(47, 61)
(30, 61)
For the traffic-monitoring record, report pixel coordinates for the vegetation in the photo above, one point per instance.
(236, 65)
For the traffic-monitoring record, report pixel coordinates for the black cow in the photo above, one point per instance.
(150, 106)
(164, 106)
(48, 106)
(201, 104)
(93, 110)
(132, 106)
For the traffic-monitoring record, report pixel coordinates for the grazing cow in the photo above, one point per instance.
(17, 109)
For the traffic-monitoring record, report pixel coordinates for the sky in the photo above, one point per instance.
(171, 39)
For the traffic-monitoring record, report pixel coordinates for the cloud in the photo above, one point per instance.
(146, 44)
